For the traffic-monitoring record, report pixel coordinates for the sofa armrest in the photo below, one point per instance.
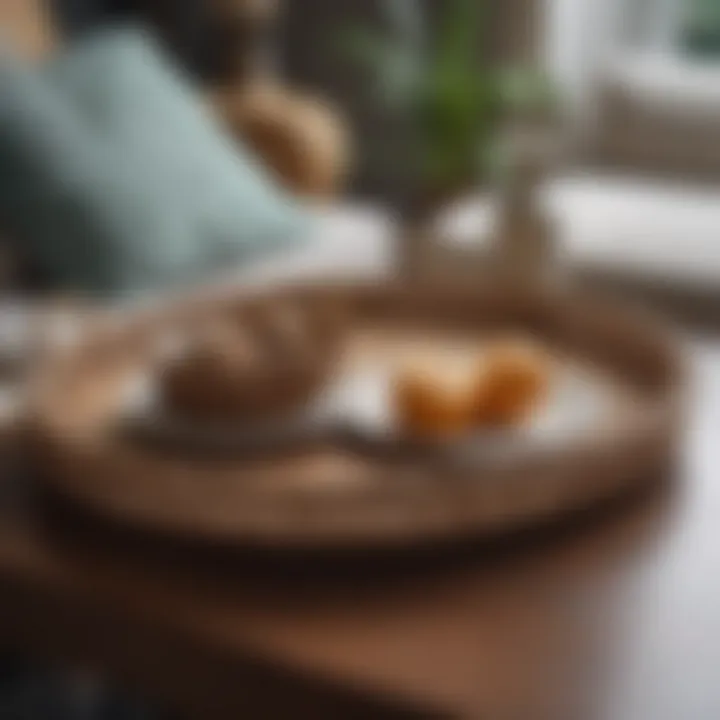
(657, 113)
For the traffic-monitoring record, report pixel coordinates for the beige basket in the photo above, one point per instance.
(328, 495)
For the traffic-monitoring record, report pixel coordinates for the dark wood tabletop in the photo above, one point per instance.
(613, 616)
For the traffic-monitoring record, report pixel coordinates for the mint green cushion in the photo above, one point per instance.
(64, 194)
(117, 177)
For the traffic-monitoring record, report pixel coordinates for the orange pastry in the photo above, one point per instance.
(432, 404)
(511, 380)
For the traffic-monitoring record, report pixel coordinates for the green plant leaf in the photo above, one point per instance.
(525, 90)
(393, 71)
(459, 37)
(450, 101)
(458, 102)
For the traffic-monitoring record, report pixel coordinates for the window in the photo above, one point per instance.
(700, 31)
(686, 28)
(643, 77)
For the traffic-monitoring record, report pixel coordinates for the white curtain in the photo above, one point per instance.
(580, 36)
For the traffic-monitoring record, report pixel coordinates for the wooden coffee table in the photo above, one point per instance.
(611, 617)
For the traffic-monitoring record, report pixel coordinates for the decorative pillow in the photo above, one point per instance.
(118, 177)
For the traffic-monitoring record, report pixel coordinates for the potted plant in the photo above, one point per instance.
(451, 103)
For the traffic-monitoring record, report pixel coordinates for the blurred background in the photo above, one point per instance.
(639, 76)
(633, 88)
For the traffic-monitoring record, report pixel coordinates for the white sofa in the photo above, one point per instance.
(651, 230)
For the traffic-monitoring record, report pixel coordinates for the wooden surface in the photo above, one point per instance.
(614, 618)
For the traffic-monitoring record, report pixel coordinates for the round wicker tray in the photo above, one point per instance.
(326, 495)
